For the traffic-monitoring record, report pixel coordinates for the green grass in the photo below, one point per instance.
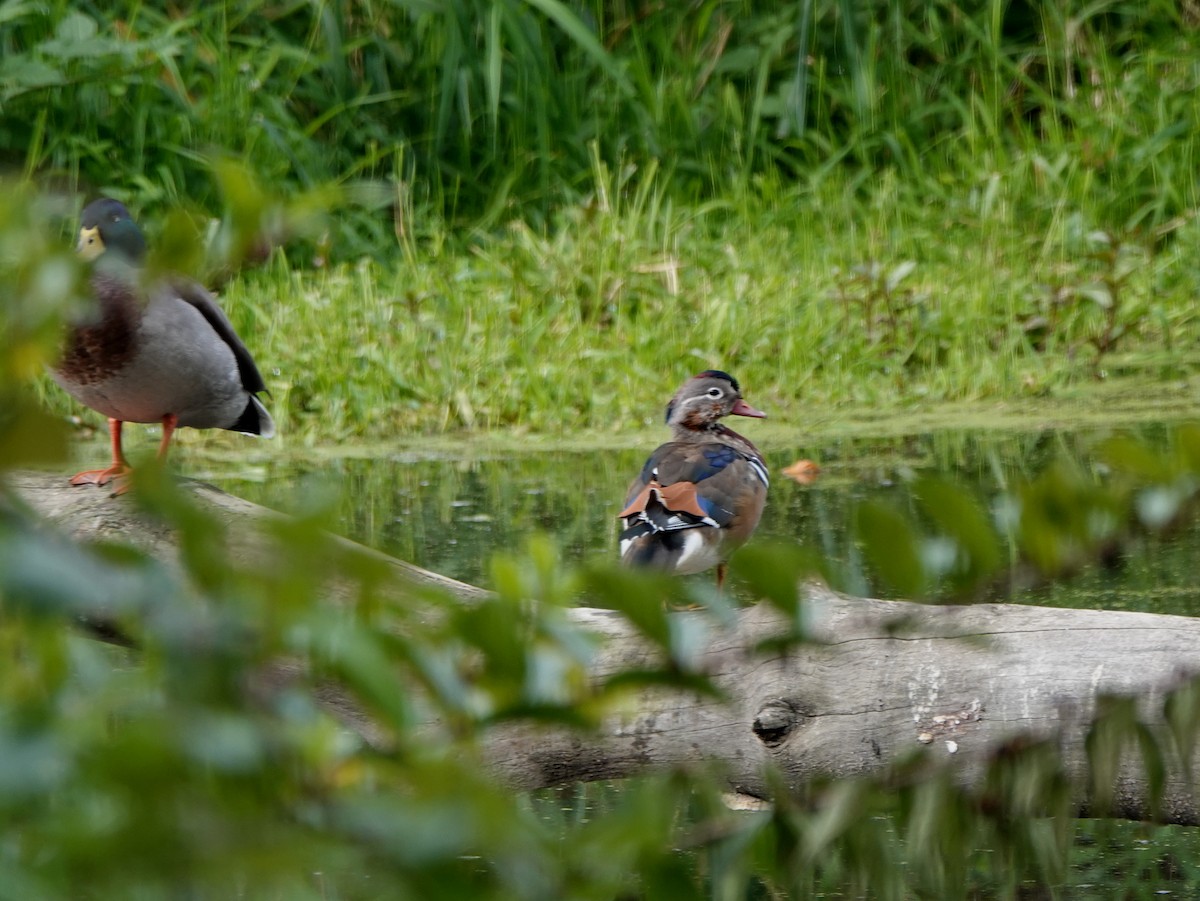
(816, 300)
(480, 111)
(846, 205)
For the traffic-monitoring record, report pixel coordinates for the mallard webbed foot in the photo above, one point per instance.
(118, 471)
(101, 477)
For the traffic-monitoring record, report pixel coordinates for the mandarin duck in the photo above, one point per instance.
(159, 351)
(700, 495)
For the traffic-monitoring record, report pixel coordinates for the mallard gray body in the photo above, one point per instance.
(153, 352)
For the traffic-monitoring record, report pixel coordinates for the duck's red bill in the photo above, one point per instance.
(741, 408)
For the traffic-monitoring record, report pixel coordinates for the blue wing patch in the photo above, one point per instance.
(718, 457)
(650, 469)
(712, 460)
(714, 510)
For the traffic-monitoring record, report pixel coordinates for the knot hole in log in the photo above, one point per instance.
(776, 720)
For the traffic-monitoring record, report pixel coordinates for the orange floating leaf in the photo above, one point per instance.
(803, 471)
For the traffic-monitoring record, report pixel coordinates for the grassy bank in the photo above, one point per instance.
(572, 207)
(823, 299)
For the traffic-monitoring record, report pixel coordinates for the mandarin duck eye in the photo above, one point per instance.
(714, 392)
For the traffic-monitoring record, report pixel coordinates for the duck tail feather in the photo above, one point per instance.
(255, 420)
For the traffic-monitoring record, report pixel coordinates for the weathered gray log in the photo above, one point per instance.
(884, 680)
(880, 681)
(88, 513)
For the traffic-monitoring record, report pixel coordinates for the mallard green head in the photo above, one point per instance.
(107, 226)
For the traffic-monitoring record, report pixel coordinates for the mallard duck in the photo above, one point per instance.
(153, 351)
(699, 496)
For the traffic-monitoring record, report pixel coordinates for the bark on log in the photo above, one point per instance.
(90, 514)
(882, 681)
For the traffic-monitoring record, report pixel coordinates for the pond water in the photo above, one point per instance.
(451, 513)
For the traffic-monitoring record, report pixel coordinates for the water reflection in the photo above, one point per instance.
(451, 516)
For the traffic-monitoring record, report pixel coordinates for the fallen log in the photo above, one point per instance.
(90, 514)
(878, 684)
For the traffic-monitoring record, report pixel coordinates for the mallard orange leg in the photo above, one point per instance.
(169, 423)
(119, 471)
(119, 468)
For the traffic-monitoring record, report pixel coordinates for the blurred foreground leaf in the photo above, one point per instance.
(29, 436)
(891, 547)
